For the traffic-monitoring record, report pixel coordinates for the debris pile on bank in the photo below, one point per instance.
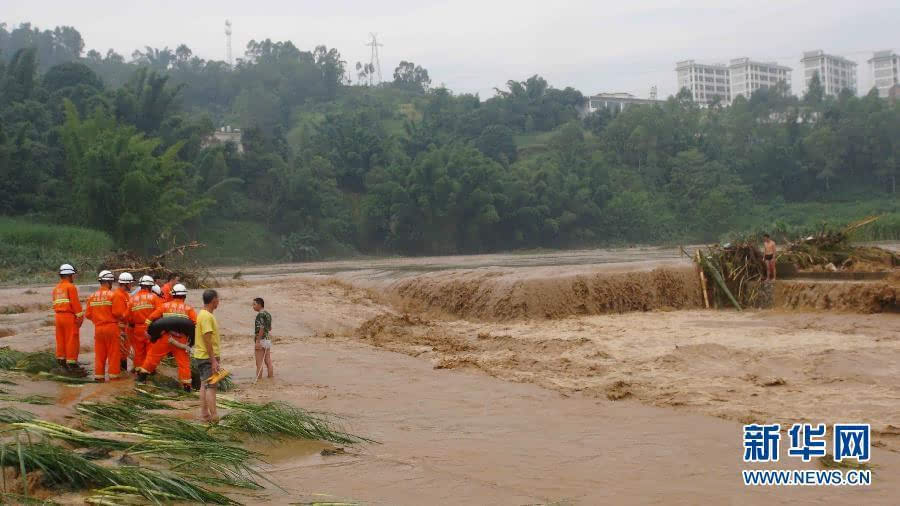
(734, 273)
(173, 261)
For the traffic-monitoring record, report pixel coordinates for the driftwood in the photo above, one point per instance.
(171, 262)
(703, 286)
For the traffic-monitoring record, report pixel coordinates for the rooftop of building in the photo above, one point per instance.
(818, 53)
(883, 55)
(688, 63)
(738, 62)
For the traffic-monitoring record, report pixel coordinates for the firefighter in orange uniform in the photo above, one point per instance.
(171, 342)
(69, 316)
(167, 288)
(143, 304)
(121, 309)
(106, 329)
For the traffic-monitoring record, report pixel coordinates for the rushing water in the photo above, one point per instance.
(400, 266)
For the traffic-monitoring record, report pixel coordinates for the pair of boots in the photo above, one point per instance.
(142, 378)
(74, 370)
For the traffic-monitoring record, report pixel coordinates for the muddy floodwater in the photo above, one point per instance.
(584, 377)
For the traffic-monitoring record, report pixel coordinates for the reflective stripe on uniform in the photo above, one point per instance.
(102, 303)
(182, 315)
(61, 301)
(141, 306)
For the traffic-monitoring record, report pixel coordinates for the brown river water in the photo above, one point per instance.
(585, 377)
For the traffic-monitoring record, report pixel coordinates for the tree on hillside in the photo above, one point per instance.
(411, 77)
(157, 59)
(824, 151)
(121, 187)
(70, 74)
(815, 92)
(332, 68)
(146, 100)
(20, 77)
(497, 142)
(354, 142)
(51, 47)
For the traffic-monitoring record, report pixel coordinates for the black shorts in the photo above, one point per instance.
(768, 257)
(205, 367)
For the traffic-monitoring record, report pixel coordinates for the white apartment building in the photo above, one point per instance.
(747, 76)
(885, 67)
(835, 73)
(705, 82)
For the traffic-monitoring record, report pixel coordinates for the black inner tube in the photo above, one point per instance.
(171, 324)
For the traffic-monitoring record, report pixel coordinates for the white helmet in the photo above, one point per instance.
(106, 276)
(65, 269)
(179, 290)
(146, 281)
(126, 278)
(155, 289)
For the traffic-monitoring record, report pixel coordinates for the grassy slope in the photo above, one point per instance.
(31, 251)
(236, 242)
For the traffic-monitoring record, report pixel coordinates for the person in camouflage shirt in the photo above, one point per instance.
(263, 345)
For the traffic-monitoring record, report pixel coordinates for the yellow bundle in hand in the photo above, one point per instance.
(217, 376)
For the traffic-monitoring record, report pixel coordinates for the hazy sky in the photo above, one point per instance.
(474, 46)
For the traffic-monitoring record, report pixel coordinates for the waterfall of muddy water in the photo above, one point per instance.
(876, 296)
(548, 292)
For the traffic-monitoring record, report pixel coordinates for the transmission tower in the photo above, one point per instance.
(374, 60)
(228, 43)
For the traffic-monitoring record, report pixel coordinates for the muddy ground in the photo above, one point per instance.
(473, 406)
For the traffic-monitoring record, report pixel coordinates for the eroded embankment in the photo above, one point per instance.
(852, 296)
(484, 294)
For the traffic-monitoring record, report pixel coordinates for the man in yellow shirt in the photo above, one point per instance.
(206, 352)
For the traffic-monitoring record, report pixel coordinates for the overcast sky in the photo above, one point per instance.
(476, 45)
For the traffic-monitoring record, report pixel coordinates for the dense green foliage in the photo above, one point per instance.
(332, 167)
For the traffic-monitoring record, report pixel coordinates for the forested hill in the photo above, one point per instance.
(332, 166)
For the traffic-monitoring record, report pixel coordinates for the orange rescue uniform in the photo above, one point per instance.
(161, 348)
(121, 309)
(167, 291)
(143, 304)
(69, 316)
(106, 333)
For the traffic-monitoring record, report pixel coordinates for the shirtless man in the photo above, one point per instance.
(769, 258)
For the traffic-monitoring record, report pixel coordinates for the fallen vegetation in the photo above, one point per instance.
(37, 363)
(173, 261)
(134, 449)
